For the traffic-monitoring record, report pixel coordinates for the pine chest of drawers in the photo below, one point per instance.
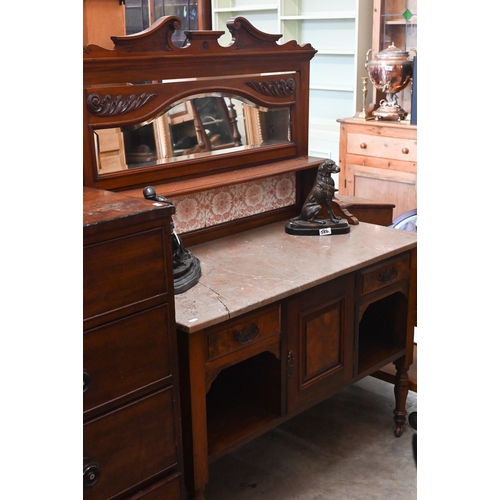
(378, 161)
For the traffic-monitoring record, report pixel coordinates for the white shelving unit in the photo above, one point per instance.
(264, 16)
(341, 31)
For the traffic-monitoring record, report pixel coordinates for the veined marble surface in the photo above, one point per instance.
(248, 270)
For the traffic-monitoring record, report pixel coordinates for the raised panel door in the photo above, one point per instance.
(383, 185)
(320, 342)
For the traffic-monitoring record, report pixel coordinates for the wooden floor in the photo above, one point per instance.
(388, 372)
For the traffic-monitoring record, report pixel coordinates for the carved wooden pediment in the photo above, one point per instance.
(158, 38)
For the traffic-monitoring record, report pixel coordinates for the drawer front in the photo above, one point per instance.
(130, 445)
(123, 356)
(246, 331)
(393, 148)
(169, 489)
(385, 274)
(122, 271)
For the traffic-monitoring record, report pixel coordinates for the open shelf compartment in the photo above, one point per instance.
(382, 333)
(244, 400)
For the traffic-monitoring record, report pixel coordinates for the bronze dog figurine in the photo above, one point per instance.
(323, 192)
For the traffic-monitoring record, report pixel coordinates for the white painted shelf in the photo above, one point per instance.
(341, 32)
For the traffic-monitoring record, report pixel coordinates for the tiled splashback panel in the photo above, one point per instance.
(216, 206)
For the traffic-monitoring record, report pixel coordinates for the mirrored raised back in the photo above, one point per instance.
(155, 112)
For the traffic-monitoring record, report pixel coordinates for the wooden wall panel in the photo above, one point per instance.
(102, 19)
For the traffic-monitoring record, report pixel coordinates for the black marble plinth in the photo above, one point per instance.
(318, 227)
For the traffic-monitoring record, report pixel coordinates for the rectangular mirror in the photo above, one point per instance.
(199, 126)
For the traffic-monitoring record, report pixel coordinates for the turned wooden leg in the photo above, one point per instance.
(400, 393)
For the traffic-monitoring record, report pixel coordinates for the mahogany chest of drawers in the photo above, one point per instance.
(131, 418)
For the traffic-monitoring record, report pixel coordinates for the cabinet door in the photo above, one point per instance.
(320, 326)
(383, 185)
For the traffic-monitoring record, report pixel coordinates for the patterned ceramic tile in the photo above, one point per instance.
(189, 212)
(219, 205)
(225, 204)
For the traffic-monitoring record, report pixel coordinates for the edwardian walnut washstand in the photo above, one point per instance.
(277, 322)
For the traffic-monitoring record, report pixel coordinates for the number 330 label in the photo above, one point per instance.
(324, 232)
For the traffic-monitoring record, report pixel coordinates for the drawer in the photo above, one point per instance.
(123, 356)
(123, 271)
(130, 445)
(169, 489)
(379, 276)
(110, 139)
(244, 331)
(394, 148)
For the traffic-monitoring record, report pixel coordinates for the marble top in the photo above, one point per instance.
(254, 268)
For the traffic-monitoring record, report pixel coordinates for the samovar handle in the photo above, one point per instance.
(366, 63)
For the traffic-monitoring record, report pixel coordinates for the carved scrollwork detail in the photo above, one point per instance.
(108, 106)
(281, 88)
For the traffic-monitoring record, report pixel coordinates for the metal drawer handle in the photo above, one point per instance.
(363, 145)
(405, 151)
(388, 275)
(247, 334)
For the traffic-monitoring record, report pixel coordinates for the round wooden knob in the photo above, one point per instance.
(91, 472)
(405, 151)
(362, 145)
